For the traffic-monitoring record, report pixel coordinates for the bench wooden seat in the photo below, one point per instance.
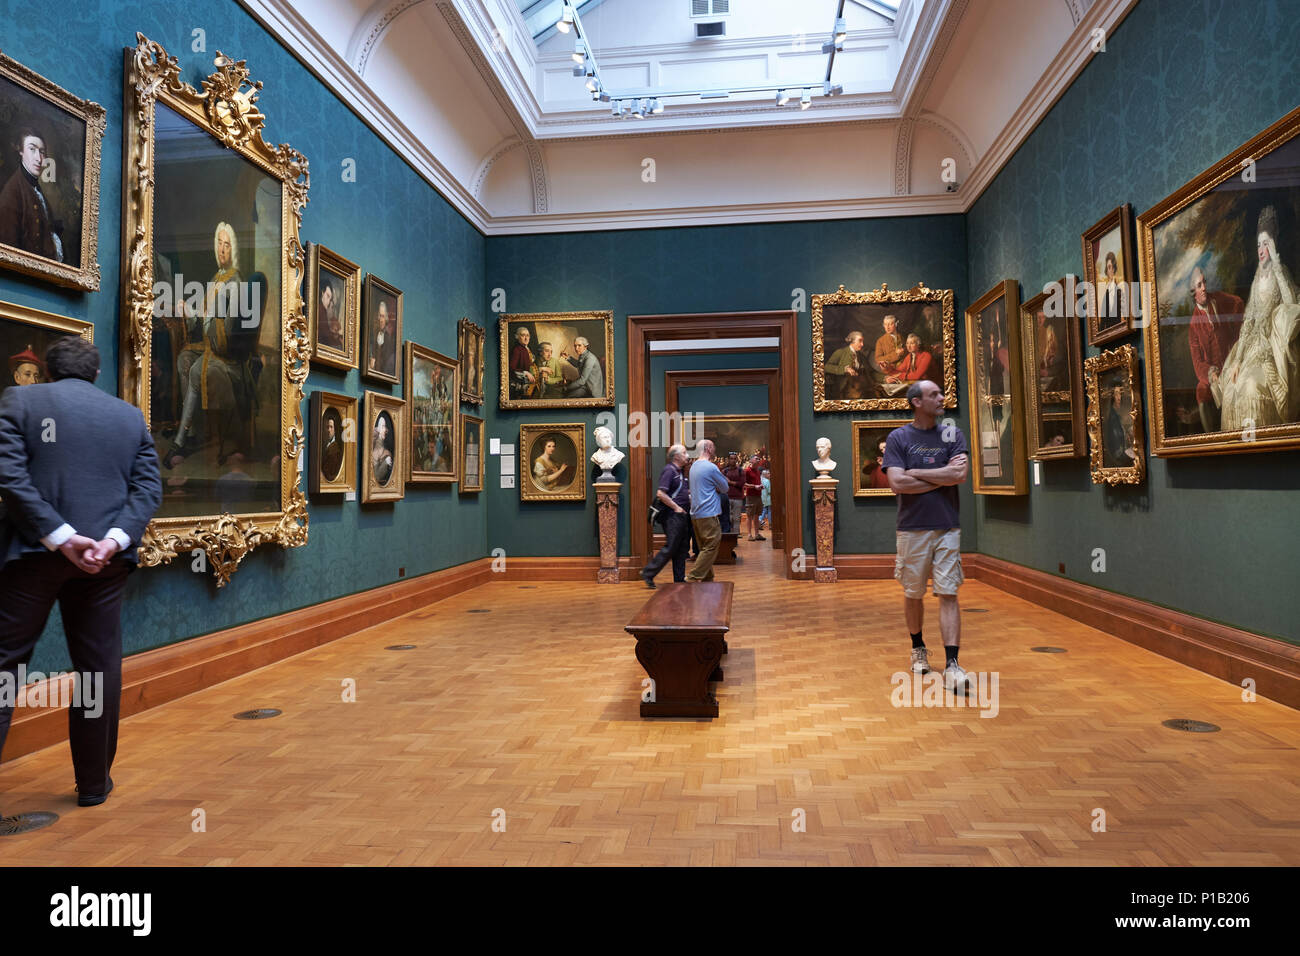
(680, 639)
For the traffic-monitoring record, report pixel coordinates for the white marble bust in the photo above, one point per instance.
(605, 455)
(822, 464)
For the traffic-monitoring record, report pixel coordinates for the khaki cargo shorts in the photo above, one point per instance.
(922, 554)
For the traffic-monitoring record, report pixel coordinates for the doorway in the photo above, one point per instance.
(783, 408)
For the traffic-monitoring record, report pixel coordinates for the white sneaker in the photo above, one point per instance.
(956, 679)
(920, 661)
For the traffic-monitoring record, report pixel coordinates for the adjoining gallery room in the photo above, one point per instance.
(651, 434)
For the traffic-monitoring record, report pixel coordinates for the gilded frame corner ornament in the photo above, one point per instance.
(86, 276)
(226, 109)
(606, 317)
(1124, 357)
(918, 293)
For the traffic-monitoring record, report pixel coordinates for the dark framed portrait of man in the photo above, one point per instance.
(381, 352)
(50, 143)
(333, 307)
(332, 457)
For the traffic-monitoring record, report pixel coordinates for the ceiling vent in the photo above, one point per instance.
(710, 29)
(710, 8)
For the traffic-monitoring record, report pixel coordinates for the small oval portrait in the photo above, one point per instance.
(383, 445)
(331, 447)
(554, 464)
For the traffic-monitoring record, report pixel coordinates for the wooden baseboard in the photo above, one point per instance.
(864, 567)
(166, 673)
(581, 568)
(1221, 651)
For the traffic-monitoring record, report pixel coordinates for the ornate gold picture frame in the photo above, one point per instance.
(382, 450)
(228, 356)
(869, 478)
(431, 441)
(49, 186)
(333, 307)
(332, 459)
(1219, 258)
(472, 458)
(469, 354)
(1115, 417)
(557, 360)
(1114, 307)
(994, 373)
(1052, 346)
(863, 359)
(553, 462)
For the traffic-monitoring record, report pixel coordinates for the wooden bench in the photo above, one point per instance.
(680, 639)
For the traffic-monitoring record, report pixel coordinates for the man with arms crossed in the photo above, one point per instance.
(925, 464)
(708, 498)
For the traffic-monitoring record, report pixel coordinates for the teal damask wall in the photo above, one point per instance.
(389, 221)
(712, 269)
(1179, 87)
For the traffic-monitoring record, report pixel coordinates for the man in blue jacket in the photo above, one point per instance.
(78, 486)
(708, 497)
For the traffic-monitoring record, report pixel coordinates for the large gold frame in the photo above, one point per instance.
(227, 110)
(1074, 394)
(1263, 438)
(918, 293)
(92, 114)
(1009, 291)
(413, 477)
(1124, 357)
(606, 401)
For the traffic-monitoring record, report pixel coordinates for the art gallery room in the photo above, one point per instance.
(653, 433)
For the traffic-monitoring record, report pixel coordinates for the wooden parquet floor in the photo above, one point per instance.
(527, 716)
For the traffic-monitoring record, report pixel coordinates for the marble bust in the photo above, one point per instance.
(605, 455)
(822, 464)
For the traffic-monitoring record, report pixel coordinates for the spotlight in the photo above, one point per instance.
(566, 20)
(579, 70)
(616, 109)
(805, 101)
(830, 45)
(829, 89)
(579, 52)
(782, 97)
(593, 85)
(656, 107)
(841, 30)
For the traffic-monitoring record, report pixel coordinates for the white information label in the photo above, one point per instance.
(507, 449)
(507, 465)
(349, 496)
(494, 446)
(507, 481)
(1038, 475)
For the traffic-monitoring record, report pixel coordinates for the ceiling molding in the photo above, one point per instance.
(1074, 55)
(727, 215)
(371, 30)
(903, 157)
(485, 165)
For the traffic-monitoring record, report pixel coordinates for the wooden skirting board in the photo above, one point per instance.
(155, 677)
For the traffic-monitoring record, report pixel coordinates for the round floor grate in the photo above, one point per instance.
(1191, 726)
(261, 713)
(26, 823)
(976, 610)
(400, 647)
(480, 610)
(1048, 650)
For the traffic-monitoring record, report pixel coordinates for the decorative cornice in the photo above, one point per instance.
(372, 29)
(903, 157)
(485, 166)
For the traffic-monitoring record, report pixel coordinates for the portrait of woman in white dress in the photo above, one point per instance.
(1260, 381)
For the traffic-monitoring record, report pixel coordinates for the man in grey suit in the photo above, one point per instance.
(78, 485)
(590, 382)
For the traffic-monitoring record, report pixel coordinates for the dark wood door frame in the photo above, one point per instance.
(770, 377)
(782, 325)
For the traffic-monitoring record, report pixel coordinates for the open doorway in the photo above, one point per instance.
(780, 329)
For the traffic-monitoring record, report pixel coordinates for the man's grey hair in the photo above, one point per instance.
(890, 318)
(913, 335)
(543, 345)
(582, 340)
(675, 450)
(852, 336)
(522, 330)
(705, 447)
(914, 391)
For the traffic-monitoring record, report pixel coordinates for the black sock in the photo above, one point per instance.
(949, 654)
(916, 640)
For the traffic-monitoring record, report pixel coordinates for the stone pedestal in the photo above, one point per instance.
(823, 490)
(607, 493)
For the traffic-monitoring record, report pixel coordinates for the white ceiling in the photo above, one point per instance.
(512, 139)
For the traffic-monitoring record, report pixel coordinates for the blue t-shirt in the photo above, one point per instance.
(912, 447)
(708, 489)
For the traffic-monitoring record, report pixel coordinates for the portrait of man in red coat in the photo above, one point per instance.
(1211, 333)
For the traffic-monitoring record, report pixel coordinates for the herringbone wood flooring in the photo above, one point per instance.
(530, 712)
